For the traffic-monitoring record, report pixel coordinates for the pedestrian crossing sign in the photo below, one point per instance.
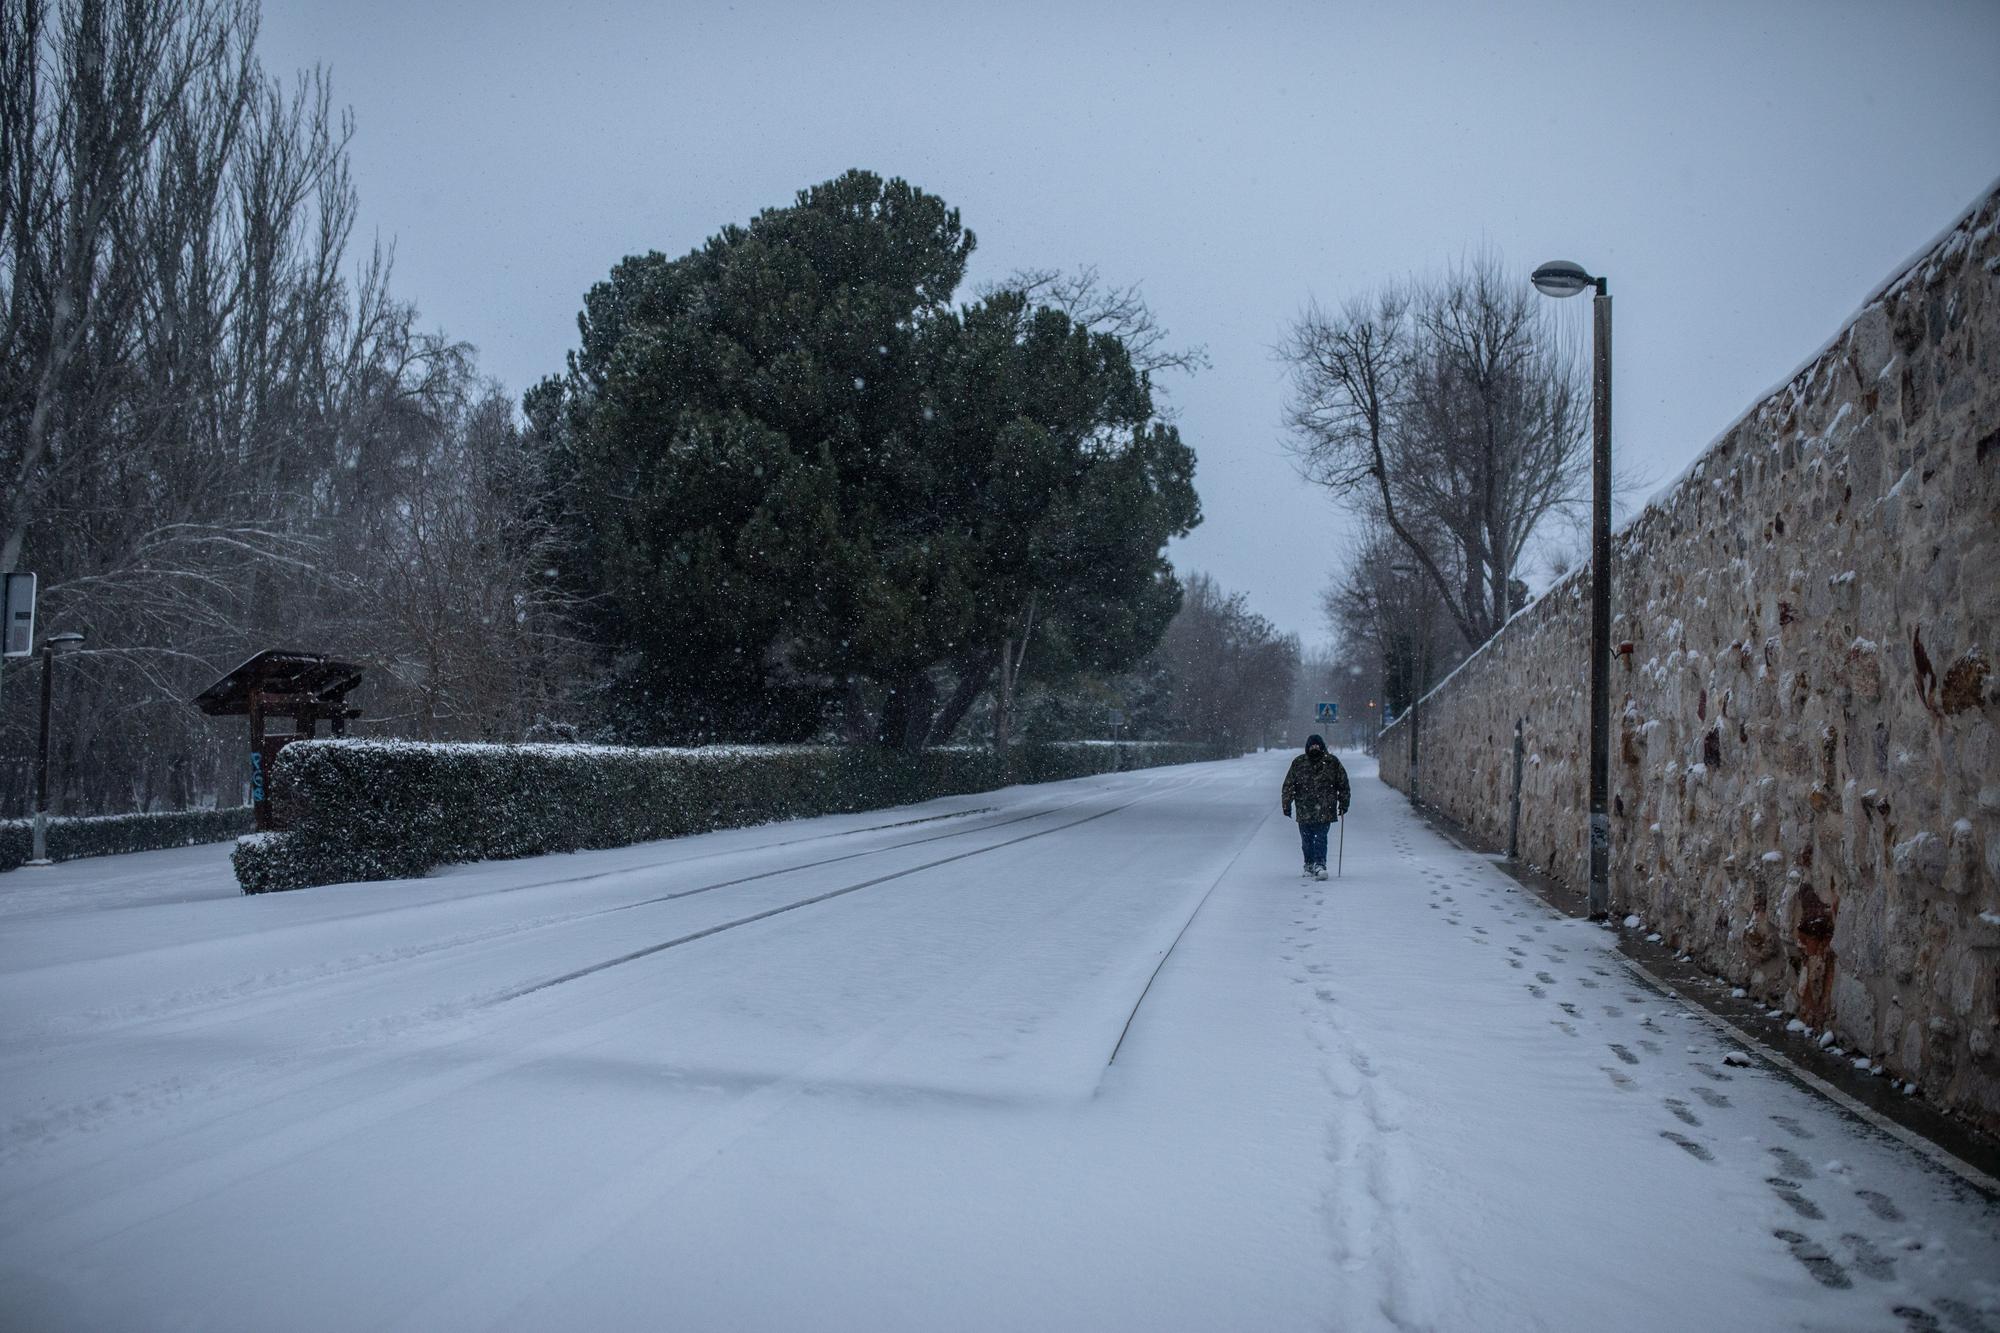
(1328, 711)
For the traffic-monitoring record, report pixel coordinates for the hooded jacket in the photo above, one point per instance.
(1315, 786)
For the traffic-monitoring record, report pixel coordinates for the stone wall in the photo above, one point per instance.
(1805, 763)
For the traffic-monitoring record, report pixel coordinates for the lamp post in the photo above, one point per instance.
(1354, 722)
(1562, 278)
(1419, 667)
(41, 828)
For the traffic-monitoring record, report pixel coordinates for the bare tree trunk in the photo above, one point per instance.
(855, 722)
(975, 670)
(1011, 661)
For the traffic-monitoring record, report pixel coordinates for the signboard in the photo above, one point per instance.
(1117, 716)
(1328, 712)
(19, 613)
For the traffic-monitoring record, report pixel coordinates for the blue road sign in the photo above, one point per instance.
(1328, 712)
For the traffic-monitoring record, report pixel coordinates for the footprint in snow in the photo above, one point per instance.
(1792, 1127)
(1613, 1011)
(1649, 1047)
(1688, 1146)
(1545, 978)
(1586, 983)
(1710, 1071)
(1816, 1260)
(1881, 1205)
(1792, 1163)
(1323, 994)
(1711, 1096)
(1788, 1190)
(1917, 1319)
(1570, 1009)
(1479, 930)
(1963, 1316)
(1874, 1265)
(1624, 1054)
(1564, 1026)
(1536, 991)
(1681, 1111)
(1618, 1080)
(1518, 953)
(1514, 962)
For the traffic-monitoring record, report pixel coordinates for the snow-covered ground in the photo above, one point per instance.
(854, 1073)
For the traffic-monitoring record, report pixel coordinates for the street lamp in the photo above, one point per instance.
(1563, 278)
(50, 646)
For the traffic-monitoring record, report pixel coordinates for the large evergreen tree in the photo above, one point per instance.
(795, 478)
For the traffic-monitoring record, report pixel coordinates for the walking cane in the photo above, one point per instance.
(1341, 856)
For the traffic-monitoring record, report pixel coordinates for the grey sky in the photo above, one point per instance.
(1744, 173)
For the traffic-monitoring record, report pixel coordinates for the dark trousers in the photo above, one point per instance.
(1312, 838)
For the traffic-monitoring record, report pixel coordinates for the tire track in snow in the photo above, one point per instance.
(229, 1002)
(47, 1124)
(142, 1197)
(691, 937)
(492, 1293)
(1155, 974)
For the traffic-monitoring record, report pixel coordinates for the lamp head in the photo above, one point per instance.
(1562, 278)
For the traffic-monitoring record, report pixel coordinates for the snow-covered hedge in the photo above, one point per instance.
(105, 835)
(358, 810)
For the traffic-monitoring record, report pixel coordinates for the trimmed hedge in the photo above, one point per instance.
(363, 809)
(108, 835)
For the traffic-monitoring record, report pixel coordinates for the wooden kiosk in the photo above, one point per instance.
(305, 687)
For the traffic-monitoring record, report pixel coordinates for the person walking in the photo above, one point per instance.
(1316, 787)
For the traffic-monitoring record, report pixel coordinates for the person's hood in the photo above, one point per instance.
(1315, 740)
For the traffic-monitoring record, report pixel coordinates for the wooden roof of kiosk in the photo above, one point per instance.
(284, 680)
(305, 687)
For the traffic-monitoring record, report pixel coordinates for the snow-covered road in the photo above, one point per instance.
(854, 1073)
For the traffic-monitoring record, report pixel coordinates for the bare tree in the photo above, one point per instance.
(1389, 620)
(1454, 414)
(1105, 307)
(216, 439)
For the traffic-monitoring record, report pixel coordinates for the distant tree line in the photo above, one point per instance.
(1220, 675)
(785, 489)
